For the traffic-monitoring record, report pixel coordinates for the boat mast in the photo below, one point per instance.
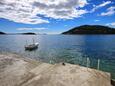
(26, 43)
(33, 41)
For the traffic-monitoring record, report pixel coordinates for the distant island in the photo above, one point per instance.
(2, 33)
(91, 29)
(29, 33)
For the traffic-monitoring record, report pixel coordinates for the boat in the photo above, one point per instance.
(31, 46)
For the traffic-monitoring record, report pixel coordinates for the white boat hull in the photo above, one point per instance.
(31, 46)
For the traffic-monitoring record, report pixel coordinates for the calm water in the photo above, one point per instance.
(75, 49)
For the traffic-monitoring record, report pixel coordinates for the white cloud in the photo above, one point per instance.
(110, 11)
(30, 11)
(96, 20)
(100, 5)
(111, 24)
(29, 29)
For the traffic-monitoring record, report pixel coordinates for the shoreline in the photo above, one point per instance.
(18, 71)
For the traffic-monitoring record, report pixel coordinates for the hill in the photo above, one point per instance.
(91, 29)
(2, 33)
(29, 33)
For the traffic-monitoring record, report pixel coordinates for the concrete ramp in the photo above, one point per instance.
(22, 72)
(70, 75)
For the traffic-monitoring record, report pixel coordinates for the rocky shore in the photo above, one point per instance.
(18, 71)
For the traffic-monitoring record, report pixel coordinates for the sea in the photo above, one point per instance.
(93, 51)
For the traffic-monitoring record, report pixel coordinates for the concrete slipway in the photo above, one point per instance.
(17, 71)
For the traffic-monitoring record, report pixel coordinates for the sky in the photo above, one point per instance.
(54, 16)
